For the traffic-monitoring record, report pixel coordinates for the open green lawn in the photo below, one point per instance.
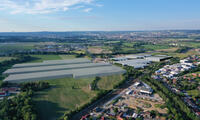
(67, 94)
(41, 58)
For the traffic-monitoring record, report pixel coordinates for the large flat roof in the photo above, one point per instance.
(76, 73)
(158, 57)
(136, 63)
(53, 62)
(53, 68)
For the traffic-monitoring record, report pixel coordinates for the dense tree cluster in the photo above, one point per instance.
(34, 86)
(19, 108)
(183, 49)
(94, 83)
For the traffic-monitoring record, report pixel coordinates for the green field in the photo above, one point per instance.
(128, 44)
(8, 48)
(156, 47)
(5, 58)
(68, 94)
(41, 58)
(194, 93)
(191, 44)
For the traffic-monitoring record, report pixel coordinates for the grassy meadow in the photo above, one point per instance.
(9, 48)
(5, 58)
(68, 93)
(41, 58)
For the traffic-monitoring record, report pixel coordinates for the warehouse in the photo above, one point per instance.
(76, 73)
(53, 62)
(158, 58)
(137, 56)
(52, 68)
(136, 63)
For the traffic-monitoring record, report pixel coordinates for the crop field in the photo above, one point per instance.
(128, 44)
(191, 44)
(98, 50)
(40, 58)
(5, 58)
(173, 54)
(156, 47)
(172, 49)
(194, 93)
(7, 48)
(68, 94)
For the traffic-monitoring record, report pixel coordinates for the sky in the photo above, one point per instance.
(98, 15)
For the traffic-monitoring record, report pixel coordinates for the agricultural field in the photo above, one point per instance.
(41, 58)
(174, 54)
(194, 93)
(172, 49)
(5, 58)
(13, 47)
(98, 50)
(156, 47)
(128, 44)
(191, 44)
(68, 94)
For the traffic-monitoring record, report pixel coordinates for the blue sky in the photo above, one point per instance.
(94, 15)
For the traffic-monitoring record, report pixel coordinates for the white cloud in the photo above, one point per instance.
(87, 10)
(43, 6)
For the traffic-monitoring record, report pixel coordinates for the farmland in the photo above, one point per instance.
(40, 58)
(9, 48)
(5, 58)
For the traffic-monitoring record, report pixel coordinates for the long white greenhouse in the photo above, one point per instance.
(76, 69)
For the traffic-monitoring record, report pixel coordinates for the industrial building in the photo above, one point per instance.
(158, 58)
(139, 60)
(55, 70)
(143, 88)
(137, 56)
(136, 63)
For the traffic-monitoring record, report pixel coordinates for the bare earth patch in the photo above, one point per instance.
(98, 50)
